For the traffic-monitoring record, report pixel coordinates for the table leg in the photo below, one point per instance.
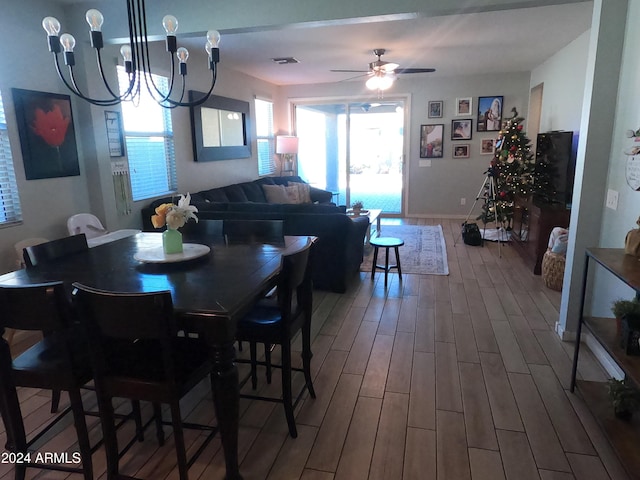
(226, 398)
(9, 403)
(398, 263)
(375, 262)
(386, 266)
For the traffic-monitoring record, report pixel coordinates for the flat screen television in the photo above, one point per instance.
(556, 162)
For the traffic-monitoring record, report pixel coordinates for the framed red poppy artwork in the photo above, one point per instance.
(47, 136)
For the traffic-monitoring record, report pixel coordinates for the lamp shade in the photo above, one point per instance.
(286, 144)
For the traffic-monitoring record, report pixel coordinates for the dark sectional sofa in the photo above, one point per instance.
(339, 250)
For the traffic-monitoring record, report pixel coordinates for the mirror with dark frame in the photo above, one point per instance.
(219, 128)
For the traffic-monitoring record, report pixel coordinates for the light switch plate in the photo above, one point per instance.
(424, 163)
(612, 199)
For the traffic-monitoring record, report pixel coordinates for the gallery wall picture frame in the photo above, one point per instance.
(487, 146)
(464, 106)
(431, 139)
(115, 136)
(461, 150)
(461, 129)
(489, 114)
(47, 134)
(435, 109)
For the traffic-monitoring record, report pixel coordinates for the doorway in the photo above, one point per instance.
(355, 150)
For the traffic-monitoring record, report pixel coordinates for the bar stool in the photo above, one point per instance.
(386, 243)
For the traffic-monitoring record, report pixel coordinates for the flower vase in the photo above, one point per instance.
(171, 241)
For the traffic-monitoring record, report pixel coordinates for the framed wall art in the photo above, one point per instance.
(47, 136)
(461, 150)
(431, 140)
(461, 129)
(463, 106)
(115, 137)
(487, 146)
(489, 114)
(435, 109)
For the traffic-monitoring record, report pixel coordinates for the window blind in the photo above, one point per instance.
(9, 199)
(148, 135)
(265, 137)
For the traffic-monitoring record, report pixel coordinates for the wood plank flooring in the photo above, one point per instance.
(433, 378)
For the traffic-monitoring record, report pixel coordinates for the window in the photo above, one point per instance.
(149, 137)
(9, 199)
(265, 137)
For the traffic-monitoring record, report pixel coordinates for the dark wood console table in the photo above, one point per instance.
(624, 436)
(532, 225)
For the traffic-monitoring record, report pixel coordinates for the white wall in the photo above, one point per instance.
(563, 91)
(27, 64)
(616, 223)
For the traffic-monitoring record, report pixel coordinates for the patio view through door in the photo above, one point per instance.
(354, 149)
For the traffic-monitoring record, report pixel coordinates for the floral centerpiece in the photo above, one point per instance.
(174, 217)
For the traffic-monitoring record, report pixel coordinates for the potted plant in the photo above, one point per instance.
(624, 398)
(357, 207)
(621, 308)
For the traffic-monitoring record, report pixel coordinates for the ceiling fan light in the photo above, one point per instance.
(385, 82)
(373, 82)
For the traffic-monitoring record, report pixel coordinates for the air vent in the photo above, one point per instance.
(285, 60)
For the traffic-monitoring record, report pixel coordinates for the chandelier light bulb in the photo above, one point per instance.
(213, 38)
(125, 51)
(385, 82)
(51, 25)
(373, 82)
(170, 24)
(94, 19)
(182, 54)
(68, 42)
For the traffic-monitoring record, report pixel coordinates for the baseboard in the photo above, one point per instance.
(610, 366)
(565, 335)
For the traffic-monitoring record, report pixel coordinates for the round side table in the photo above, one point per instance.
(386, 243)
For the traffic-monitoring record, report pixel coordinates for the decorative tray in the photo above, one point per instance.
(157, 255)
(362, 212)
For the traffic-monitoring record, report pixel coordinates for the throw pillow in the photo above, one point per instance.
(293, 194)
(304, 192)
(275, 193)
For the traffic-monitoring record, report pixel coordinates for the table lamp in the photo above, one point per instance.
(287, 147)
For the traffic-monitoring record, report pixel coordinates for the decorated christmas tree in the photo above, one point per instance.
(510, 174)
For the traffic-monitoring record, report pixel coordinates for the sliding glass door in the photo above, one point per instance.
(354, 149)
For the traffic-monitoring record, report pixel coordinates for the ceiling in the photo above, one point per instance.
(514, 40)
(489, 42)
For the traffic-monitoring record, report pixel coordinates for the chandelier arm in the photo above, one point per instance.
(205, 97)
(94, 101)
(104, 78)
(74, 88)
(159, 96)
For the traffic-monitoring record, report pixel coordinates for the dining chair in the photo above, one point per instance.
(50, 251)
(253, 231)
(277, 323)
(60, 362)
(203, 227)
(22, 244)
(136, 353)
(86, 223)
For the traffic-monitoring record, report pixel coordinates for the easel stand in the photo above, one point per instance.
(487, 193)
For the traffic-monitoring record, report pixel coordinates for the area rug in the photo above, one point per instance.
(424, 251)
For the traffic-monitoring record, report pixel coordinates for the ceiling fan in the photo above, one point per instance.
(383, 73)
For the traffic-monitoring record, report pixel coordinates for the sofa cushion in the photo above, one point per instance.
(215, 195)
(235, 193)
(281, 194)
(254, 192)
(303, 192)
(257, 208)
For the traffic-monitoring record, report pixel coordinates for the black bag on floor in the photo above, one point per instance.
(471, 234)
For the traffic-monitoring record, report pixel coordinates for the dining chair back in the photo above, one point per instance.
(136, 353)
(277, 324)
(58, 362)
(253, 231)
(50, 251)
(211, 229)
(86, 223)
(22, 244)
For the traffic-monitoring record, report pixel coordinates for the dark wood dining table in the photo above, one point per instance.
(210, 294)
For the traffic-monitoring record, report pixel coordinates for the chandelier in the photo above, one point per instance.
(136, 57)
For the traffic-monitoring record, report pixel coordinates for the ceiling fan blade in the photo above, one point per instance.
(357, 76)
(414, 70)
(350, 71)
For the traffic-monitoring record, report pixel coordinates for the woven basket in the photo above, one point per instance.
(553, 270)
